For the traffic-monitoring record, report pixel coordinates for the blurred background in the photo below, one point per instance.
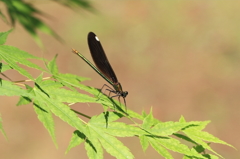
(176, 57)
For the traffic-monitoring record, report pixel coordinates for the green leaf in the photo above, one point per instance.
(133, 114)
(25, 14)
(58, 108)
(70, 79)
(202, 156)
(52, 66)
(199, 148)
(23, 101)
(45, 116)
(12, 55)
(161, 150)
(23, 7)
(104, 122)
(77, 139)
(106, 117)
(39, 78)
(114, 147)
(175, 145)
(167, 128)
(110, 143)
(210, 156)
(149, 121)
(210, 138)
(48, 84)
(144, 142)
(4, 67)
(9, 89)
(184, 137)
(197, 125)
(63, 95)
(199, 136)
(182, 119)
(26, 100)
(199, 141)
(3, 36)
(93, 147)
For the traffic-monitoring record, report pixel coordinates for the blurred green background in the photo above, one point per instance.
(176, 57)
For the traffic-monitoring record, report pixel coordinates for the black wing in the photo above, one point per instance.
(100, 58)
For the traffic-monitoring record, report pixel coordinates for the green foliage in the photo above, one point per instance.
(27, 15)
(53, 95)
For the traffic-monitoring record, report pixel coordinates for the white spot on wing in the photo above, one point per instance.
(97, 38)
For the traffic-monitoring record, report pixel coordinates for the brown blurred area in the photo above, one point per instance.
(176, 57)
